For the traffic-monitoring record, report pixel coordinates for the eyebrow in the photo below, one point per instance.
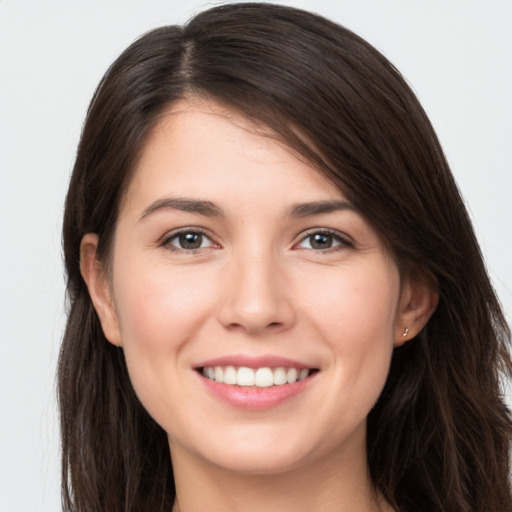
(209, 209)
(319, 208)
(206, 208)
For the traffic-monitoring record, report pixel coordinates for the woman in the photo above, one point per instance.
(276, 296)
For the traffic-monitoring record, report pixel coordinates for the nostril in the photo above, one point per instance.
(254, 326)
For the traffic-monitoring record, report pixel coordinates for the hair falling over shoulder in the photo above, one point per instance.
(439, 437)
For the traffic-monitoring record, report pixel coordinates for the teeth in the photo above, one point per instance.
(291, 375)
(230, 376)
(264, 378)
(303, 373)
(244, 377)
(279, 376)
(260, 377)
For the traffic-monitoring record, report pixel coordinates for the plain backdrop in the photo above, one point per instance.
(457, 55)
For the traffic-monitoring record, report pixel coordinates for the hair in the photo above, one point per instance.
(438, 438)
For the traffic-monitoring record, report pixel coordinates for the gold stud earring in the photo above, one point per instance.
(406, 332)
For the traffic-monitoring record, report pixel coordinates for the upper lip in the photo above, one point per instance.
(270, 361)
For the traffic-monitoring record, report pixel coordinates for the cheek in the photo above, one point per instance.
(159, 305)
(354, 302)
(160, 310)
(356, 315)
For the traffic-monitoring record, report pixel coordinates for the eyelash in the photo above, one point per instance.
(341, 241)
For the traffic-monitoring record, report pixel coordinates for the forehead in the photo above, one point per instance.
(199, 147)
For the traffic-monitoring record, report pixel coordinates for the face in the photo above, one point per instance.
(257, 309)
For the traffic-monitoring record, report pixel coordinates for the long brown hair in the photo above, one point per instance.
(438, 438)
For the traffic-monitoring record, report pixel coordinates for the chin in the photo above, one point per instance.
(253, 462)
(268, 450)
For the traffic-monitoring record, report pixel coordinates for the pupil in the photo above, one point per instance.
(321, 241)
(190, 240)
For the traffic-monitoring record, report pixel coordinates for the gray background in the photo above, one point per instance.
(457, 55)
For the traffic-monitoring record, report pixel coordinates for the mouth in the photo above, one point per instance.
(256, 383)
(263, 377)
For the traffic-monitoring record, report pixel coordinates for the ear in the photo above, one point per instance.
(99, 288)
(418, 300)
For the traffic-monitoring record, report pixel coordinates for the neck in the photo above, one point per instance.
(336, 483)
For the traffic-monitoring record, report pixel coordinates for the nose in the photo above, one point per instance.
(255, 296)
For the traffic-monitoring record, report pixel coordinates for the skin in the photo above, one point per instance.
(255, 286)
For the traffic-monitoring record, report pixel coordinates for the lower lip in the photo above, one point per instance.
(256, 398)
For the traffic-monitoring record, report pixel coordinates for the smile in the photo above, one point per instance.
(255, 377)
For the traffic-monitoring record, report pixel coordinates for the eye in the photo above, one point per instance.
(188, 240)
(323, 240)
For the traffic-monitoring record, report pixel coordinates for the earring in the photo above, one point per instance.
(406, 332)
